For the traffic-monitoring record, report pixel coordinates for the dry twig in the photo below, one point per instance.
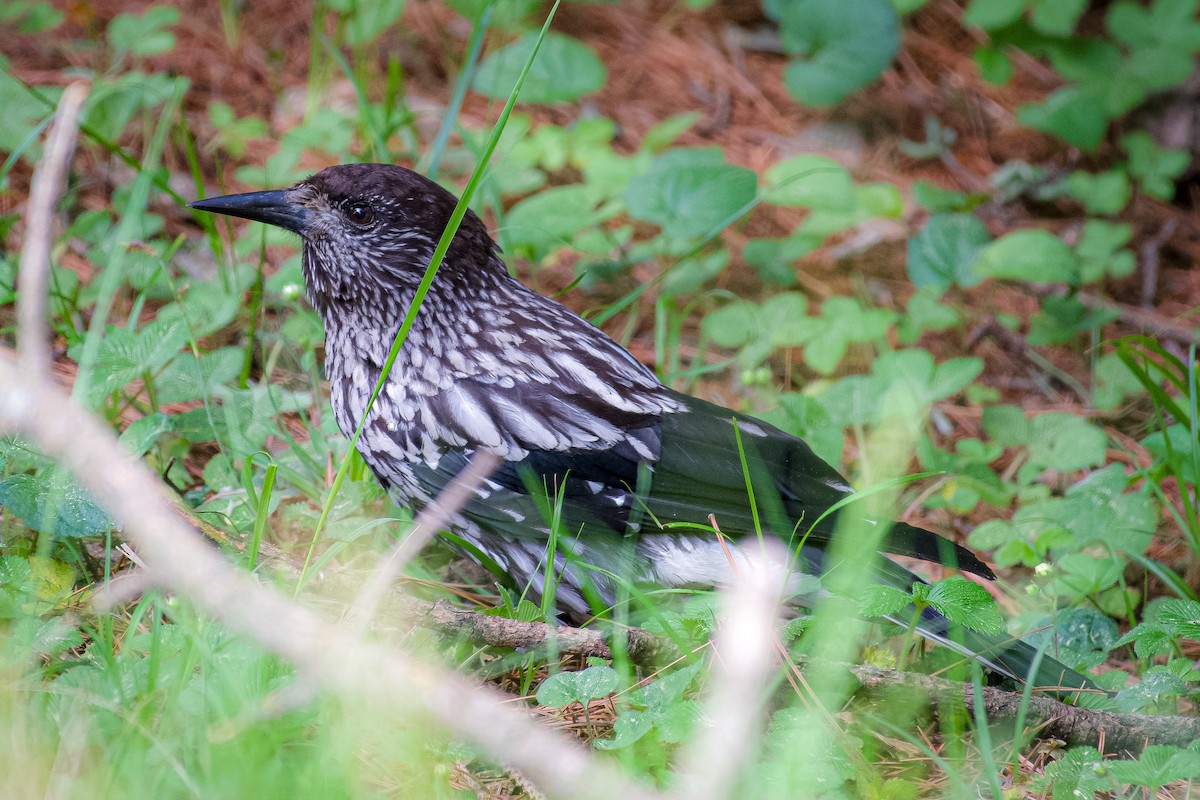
(743, 658)
(39, 221)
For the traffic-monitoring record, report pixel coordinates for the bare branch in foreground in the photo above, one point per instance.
(743, 659)
(432, 519)
(1119, 733)
(389, 679)
(39, 221)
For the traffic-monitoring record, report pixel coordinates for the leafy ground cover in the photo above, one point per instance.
(928, 237)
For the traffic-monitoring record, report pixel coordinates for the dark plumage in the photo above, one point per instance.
(491, 364)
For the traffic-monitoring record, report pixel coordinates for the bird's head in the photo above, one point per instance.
(369, 231)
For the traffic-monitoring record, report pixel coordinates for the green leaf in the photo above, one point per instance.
(145, 34)
(844, 46)
(547, 221)
(565, 688)
(188, 378)
(690, 274)
(1035, 256)
(1006, 424)
(1057, 17)
(759, 330)
(1078, 774)
(1098, 509)
(1065, 442)
(924, 312)
(1183, 616)
(811, 181)
(965, 603)
(805, 418)
(367, 21)
(1114, 382)
(1071, 114)
(1101, 251)
(843, 321)
(878, 600)
(1081, 638)
(126, 354)
(1061, 319)
(1100, 192)
(1156, 169)
(773, 258)
(938, 200)
(52, 502)
(565, 70)
(1157, 684)
(992, 14)
(141, 434)
(993, 64)
(945, 251)
(1157, 766)
(923, 382)
(689, 192)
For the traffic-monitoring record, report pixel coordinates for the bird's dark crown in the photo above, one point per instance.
(370, 227)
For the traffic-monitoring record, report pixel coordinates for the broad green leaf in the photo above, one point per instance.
(565, 70)
(1100, 192)
(1101, 251)
(688, 193)
(1114, 382)
(1071, 114)
(126, 354)
(964, 602)
(1156, 169)
(1062, 319)
(367, 21)
(1183, 616)
(188, 378)
(1157, 684)
(1006, 424)
(991, 14)
(1034, 256)
(878, 600)
(547, 221)
(1099, 509)
(773, 258)
(1079, 773)
(145, 34)
(804, 417)
(843, 47)
(1056, 17)
(1157, 766)
(811, 181)
(141, 434)
(945, 251)
(565, 688)
(1064, 442)
(690, 274)
(843, 321)
(760, 330)
(924, 312)
(52, 502)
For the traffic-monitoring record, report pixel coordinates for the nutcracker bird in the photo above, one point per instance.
(607, 475)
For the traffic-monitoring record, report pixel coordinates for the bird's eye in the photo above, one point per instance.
(360, 213)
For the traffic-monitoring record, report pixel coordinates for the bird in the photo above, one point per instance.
(607, 478)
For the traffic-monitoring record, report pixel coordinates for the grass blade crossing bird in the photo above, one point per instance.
(634, 469)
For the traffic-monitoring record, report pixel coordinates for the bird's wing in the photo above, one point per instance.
(638, 471)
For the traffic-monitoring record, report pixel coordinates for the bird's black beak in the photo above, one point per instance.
(273, 208)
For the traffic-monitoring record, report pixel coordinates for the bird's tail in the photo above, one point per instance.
(1004, 654)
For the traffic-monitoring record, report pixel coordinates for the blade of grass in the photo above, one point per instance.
(439, 253)
(114, 271)
(465, 76)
